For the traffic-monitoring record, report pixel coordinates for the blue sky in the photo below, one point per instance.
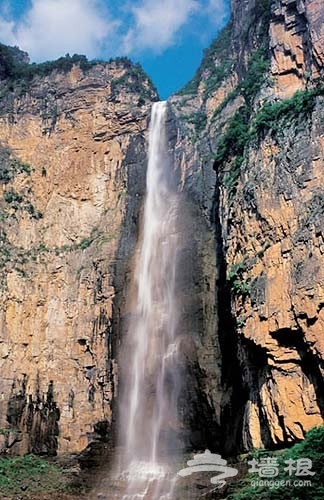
(166, 36)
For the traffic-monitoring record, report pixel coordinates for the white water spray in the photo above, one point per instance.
(148, 409)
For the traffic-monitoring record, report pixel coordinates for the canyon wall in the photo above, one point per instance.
(251, 151)
(248, 154)
(73, 152)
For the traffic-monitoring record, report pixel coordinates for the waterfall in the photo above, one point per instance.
(149, 373)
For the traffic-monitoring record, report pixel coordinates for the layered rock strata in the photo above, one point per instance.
(73, 173)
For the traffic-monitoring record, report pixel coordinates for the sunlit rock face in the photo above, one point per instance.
(69, 226)
(296, 34)
(73, 152)
(260, 187)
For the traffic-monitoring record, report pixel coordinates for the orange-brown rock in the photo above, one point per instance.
(279, 244)
(82, 137)
(265, 204)
(73, 149)
(297, 41)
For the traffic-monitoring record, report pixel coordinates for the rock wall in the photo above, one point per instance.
(296, 41)
(273, 234)
(253, 162)
(73, 174)
(249, 164)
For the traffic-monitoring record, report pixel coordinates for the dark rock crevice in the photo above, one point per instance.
(36, 416)
(310, 363)
(235, 395)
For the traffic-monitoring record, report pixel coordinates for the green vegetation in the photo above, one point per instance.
(255, 76)
(215, 67)
(217, 76)
(19, 72)
(19, 201)
(10, 167)
(263, 9)
(13, 198)
(229, 97)
(231, 177)
(198, 119)
(315, 210)
(213, 71)
(241, 288)
(10, 253)
(240, 284)
(218, 59)
(17, 68)
(21, 256)
(85, 243)
(312, 448)
(34, 214)
(252, 82)
(271, 116)
(134, 80)
(240, 321)
(33, 475)
(10, 57)
(243, 128)
(232, 145)
(235, 137)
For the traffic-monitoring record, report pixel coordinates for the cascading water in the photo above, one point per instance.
(150, 371)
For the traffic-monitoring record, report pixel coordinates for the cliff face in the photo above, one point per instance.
(273, 235)
(73, 171)
(295, 29)
(251, 152)
(248, 153)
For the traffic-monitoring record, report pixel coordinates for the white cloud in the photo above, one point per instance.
(156, 23)
(53, 27)
(50, 28)
(217, 9)
(7, 31)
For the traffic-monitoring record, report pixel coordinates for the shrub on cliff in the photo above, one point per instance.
(312, 448)
(29, 475)
(10, 166)
(235, 137)
(10, 57)
(214, 66)
(62, 65)
(258, 65)
(270, 115)
(134, 80)
(15, 66)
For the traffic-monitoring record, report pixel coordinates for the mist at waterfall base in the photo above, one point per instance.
(150, 376)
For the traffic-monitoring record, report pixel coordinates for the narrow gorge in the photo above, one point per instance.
(161, 278)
